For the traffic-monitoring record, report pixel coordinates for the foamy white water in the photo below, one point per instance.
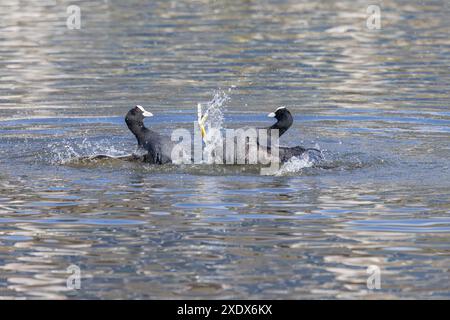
(214, 125)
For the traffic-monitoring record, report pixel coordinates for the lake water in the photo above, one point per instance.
(376, 101)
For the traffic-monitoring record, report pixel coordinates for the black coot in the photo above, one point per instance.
(159, 147)
(284, 122)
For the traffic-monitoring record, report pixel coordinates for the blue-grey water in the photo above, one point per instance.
(376, 101)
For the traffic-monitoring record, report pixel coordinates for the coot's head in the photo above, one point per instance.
(284, 118)
(137, 115)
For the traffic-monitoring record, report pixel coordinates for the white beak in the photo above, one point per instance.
(271, 115)
(145, 113)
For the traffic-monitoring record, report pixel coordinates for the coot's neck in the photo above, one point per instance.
(138, 128)
(282, 125)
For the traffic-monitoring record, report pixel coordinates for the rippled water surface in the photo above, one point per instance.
(377, 102)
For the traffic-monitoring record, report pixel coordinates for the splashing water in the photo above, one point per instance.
(69, 150)
(308, 159)
(214, 125)
(295, 165)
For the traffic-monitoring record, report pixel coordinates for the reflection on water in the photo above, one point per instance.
(375, 100)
